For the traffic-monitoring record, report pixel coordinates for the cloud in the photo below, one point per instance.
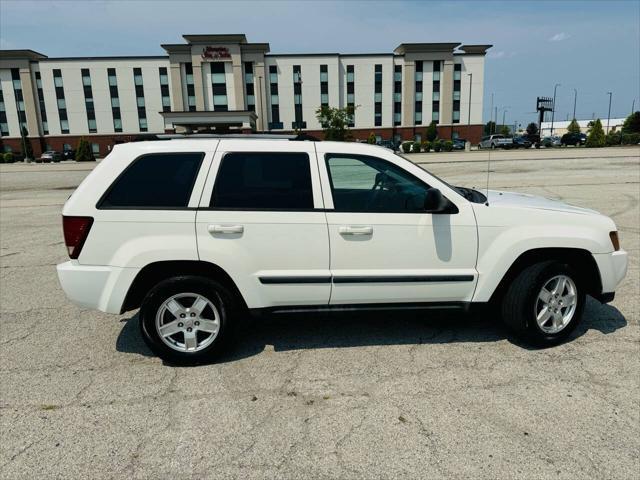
(559, 37)
(500, 54)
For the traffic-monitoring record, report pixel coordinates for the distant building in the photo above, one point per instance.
(560, 128)
(223, 83)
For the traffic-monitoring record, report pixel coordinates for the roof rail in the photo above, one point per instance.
(261, 136)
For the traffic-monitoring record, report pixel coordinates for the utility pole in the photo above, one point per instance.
(503, 115)
(553, 112)
(491, 114)
(609, 114)
(633, 106)
(575, 99)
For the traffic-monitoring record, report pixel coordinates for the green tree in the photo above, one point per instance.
(596, 136)
(573, 127)
(372, 138)
(83, 151)
(490, 127)
(27, 151)
(632, 123)
(532, 128)
(432, 131)
(505, 130)
(335, 122)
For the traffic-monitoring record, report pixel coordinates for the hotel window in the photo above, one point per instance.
(324, 85)
(142, 111)
(95, 148)
(457, 72)
(351, 95)
(88, 100)
(62, 106)
(43, 111)
(377, 96)
(275, 123)
(4, 125)
(191, 89)
(164, 90)
(248, 79)
(17, 92)
(397, 94)
(418, 99)
(219, 86)
(435, 99)
(115, 100)
(298, 122)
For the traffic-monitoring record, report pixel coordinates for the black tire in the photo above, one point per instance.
(219, 295)
(518, 304)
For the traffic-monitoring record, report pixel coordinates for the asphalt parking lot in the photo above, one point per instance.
(389, 396)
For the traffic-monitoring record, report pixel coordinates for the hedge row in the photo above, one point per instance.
(436, 146)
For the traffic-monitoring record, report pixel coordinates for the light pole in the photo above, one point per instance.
(491, 113)
(575, 99)
(553, 112)
(504, 111)
(495, 122)
(609, 114)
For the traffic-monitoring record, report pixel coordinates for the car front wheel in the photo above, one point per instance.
(187, 320)
(544, 303)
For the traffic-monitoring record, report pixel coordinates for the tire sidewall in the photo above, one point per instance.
(534, 330)
(213, 291)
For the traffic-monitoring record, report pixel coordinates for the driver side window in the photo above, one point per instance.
(360, 183)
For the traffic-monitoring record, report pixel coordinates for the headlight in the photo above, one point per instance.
(614, 240)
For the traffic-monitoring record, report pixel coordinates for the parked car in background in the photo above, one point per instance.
(550, 142)
(459, 143)
(575, 139)
(495, 141)
(49, 156)
(390, 144)
(521, 142)
(69, 155)
(533, 138)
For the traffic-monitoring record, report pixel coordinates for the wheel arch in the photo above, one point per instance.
(579, 259)
(153, 273)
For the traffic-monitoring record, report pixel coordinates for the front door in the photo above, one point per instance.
(384, 247)
(261, 220)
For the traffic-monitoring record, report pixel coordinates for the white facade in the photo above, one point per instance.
(193, 93)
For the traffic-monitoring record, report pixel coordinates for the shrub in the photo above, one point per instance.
(415, 147)
(372, 138)
(406, 147)
(573, 127)
(8, 158)
(596, 136)
(432, 131)
(632, 123)
(426, 146)
(613, 138)
(448, 146)
(83, 151)
(437, 145)
(631, 138)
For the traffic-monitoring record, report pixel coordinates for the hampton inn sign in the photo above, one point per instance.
(215, 53)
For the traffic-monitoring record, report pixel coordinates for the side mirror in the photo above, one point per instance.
(435, 202)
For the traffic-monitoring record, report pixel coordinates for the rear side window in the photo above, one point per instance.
(160, 180)
(263, 181)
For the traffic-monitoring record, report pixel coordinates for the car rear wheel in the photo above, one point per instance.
(188, 320)
(544, 303)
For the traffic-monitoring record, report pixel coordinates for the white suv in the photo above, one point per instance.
(196, 231)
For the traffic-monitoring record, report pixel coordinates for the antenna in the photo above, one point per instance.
(488, 170)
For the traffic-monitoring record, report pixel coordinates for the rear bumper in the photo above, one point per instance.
(97, 287)
(613, 268)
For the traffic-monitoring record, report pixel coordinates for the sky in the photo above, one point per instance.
(590, 46)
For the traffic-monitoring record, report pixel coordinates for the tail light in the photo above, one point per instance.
(76, 230)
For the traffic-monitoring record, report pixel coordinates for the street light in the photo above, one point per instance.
(575, 99)
(553, 112)
(609, 114)
(504, 111)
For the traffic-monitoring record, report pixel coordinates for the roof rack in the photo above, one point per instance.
(261, 136)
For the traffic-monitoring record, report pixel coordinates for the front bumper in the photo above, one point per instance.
(613, 268)
(101, 288)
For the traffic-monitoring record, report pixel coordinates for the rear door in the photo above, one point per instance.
(261, 219)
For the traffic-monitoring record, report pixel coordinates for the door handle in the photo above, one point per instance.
(225, 229)
(353, 230)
